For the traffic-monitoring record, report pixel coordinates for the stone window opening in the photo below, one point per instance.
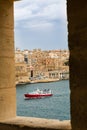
(78, 63)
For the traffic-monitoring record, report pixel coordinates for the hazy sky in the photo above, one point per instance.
(41, 24)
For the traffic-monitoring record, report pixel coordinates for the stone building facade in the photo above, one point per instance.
(44, 64)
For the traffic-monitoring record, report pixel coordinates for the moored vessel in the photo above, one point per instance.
(38, 94)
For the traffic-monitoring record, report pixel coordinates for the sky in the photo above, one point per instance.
(40, 24)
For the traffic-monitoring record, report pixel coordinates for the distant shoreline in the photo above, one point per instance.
(40, 81)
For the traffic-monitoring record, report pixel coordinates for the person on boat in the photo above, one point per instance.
(38, 91)
(44, 91)
(49, 91)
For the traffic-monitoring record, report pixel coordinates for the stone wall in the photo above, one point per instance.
(77, 27)
(7, 69)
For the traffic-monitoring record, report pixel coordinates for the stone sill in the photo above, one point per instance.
(30, 123)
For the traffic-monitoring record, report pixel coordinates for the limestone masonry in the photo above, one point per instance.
(44, 65)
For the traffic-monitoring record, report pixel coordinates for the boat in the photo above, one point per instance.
(38, 94)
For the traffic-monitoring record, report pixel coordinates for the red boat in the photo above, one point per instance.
(38, 94)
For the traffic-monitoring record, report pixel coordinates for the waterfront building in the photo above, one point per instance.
(19, 56)
(21, 68)
(49, 64)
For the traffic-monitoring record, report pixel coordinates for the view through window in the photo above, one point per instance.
(42, 59)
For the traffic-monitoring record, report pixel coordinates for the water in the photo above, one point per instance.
(55, 107)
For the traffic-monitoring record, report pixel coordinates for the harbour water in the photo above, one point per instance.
(55, 107)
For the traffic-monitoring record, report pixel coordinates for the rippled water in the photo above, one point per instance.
(55, 107)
